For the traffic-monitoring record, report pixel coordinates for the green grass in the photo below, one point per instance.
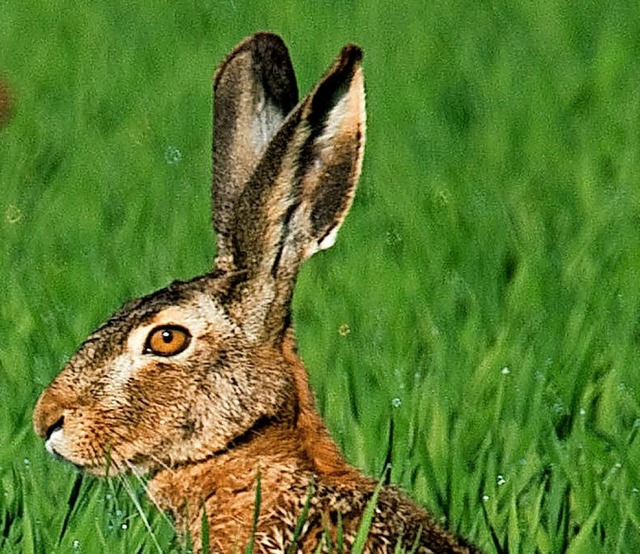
(484, 293)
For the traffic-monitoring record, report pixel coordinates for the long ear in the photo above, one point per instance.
(254, 89)
(299, 194)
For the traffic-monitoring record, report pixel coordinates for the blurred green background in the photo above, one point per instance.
(483, 294)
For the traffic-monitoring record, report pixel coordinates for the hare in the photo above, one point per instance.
(199, 385)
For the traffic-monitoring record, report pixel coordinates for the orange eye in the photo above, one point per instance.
(167, 340)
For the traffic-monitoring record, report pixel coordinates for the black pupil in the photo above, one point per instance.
(167, 336)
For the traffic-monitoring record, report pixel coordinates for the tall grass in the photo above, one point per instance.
(483, 295)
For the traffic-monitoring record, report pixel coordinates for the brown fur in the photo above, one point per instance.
(234, 404)
(315, 441)
(290, 456)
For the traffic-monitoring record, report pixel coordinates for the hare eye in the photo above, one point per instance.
(167, 340)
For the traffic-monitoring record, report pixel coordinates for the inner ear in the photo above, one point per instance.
(254, 90)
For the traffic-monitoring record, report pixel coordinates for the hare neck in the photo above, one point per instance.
(286, 454)
(225, 484)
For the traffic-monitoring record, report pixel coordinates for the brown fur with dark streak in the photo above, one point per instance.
(198, 385)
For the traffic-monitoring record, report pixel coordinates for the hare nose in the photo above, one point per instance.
(48, 415)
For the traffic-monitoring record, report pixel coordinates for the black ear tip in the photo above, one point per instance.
(274, 69)
(265, 41)
(262, 45)
(348, 62)
(351, 54)
(335, 83)
(265, 56)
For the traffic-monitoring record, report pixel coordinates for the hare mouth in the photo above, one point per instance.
(55, 442)
(56, 445)
(54, 439)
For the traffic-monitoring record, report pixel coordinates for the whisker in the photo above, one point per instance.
(161, 463)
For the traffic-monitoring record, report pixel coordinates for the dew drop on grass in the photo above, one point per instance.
(635, 491)
(442, 198)
(76, 544)
(26, 462)
(485, 498)
(583, 411)
(124, 526)
(505, 371)
(396, 402)
(172, 155)
(13, 214)
(393, 238)
(501, 480)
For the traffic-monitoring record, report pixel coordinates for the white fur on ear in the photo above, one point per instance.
(330, 239)
(265, 124)
(324, 244)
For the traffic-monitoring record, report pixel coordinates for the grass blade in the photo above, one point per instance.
(204, 535)
(256, 514)
(72, 500)
(367, 518)
(302, 519)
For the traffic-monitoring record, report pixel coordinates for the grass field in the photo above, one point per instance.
(483, 295)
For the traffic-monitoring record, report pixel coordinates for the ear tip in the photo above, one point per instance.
(265, 41)
(348, 64)
(352, 54)
(262, 45)
(265, 35)
(260, 40)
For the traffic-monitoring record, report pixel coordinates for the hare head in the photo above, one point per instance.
(177, 376)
